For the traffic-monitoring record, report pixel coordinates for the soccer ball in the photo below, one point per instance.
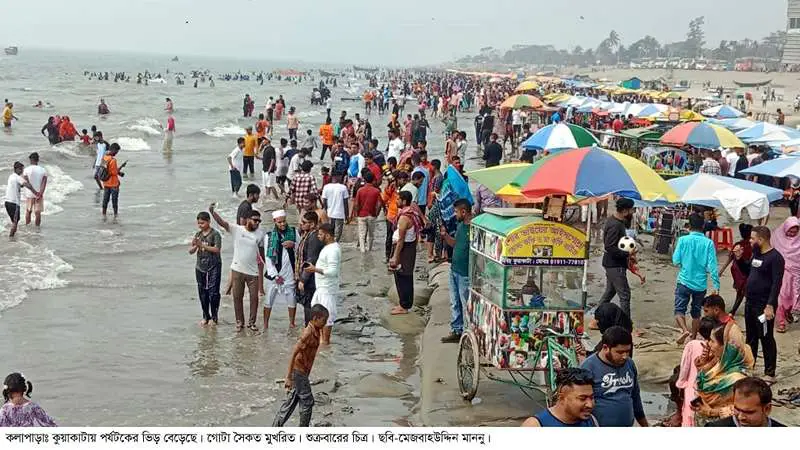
(627, 244)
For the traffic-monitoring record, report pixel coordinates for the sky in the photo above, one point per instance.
(367, 32)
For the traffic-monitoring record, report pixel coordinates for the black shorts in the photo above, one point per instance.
(13, 211)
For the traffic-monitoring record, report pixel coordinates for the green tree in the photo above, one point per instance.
(695, 37)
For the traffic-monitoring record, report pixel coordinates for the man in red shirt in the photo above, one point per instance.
(617, 124)
(366, 207)
(373, 167)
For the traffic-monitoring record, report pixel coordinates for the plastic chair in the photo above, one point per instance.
(723, 238)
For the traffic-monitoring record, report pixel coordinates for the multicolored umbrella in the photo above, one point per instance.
(495, 178)
(560, 136)
(722, 112)
(701, 135)
(529, 85)
(593, 172)
(522, 101)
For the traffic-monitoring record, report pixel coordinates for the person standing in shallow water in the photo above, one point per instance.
(19, 411)
(207, 244)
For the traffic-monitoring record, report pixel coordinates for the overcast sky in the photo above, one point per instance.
(367, 31)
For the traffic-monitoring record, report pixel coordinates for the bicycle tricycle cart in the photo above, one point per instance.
(525, 312)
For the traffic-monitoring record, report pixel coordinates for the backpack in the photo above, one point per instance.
(103, 174)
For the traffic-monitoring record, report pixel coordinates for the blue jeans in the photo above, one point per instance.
(682, 296)
(459, 293)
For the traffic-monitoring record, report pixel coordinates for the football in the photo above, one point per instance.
(627, 244)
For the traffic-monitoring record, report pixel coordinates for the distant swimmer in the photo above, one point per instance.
(169, 107)
(8, 114)
(102, 108)
(38, 104)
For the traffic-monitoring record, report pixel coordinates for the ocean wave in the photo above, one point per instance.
(224, 130)
(132, 144)
(309, 113)
(24, 268)
(148, 125)
(59, 186)
(67, 149)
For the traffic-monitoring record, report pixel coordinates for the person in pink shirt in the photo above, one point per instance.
(686, 381)
(169, 134)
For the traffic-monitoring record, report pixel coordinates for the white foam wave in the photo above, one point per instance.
(59, 186)
(67, 148)
(132, 144)
(309, 114)
(25, 267)
(144, 206)
(148, 125)
(224, 130)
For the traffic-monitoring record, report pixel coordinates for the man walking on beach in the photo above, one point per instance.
(248, 243)
(696, 256)
(326, 277)
(12, 199)
(366, 207)
(459, 269)
(37, 177)
(308, 250)
(297, 385)
(249, 153)
(334, 200)
(236, 166)
(761, 298)
(615, 261)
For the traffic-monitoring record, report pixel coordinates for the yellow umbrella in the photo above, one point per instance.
(521, 101)
(527, 86)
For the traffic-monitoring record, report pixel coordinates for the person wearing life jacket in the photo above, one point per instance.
(66, 130)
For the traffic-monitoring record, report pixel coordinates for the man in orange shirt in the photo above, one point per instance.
(111, 181)
(250, 143)
(326, 136)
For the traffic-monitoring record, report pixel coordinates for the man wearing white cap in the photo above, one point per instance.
(280, 260)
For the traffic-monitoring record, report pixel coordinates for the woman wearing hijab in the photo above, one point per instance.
(787, 242)
(740, 256)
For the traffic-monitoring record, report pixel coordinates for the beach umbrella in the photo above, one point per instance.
(560, 136)
(777, 136)
(758, 130)
(734, 125)
(647, 111)
(529, 85)
(779, 167)
(495, 178)
(722, 112)
(732, 194)
(522, 101)
(593, 172)
(701, 135)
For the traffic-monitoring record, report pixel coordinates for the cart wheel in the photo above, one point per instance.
(468, 366)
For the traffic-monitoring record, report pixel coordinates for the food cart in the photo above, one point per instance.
(525, 312)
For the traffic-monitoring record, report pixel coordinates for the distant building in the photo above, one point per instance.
(791, 51)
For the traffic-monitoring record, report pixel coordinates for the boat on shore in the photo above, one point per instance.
(755, 84)
(11, 51)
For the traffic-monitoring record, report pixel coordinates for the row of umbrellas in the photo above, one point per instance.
(590, 173)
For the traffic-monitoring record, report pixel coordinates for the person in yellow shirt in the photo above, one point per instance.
(250, 144)
(8, 114)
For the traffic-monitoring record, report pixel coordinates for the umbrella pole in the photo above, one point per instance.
(584, 294)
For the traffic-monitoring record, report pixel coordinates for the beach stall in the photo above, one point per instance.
(668, 162)
(525, 313)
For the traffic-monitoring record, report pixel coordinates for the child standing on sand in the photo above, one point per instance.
(18, 411)
(297, 384)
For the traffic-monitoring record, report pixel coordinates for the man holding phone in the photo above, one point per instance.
(111, 184)
(761, 298)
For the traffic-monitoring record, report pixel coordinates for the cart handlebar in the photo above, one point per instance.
(553, 333)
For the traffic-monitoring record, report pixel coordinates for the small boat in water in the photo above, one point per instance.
(175, 59)
(11, 51)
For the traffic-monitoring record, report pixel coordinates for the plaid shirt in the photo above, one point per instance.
(710, 167)
(301, 186)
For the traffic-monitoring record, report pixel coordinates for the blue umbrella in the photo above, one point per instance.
(780, 167)
(722, 112)
(734, 124)
(758, 130)
(699, 189)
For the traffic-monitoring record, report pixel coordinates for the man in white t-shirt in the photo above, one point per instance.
(396, 145)
(236, 165)
(12, 199)
(334, 199)
(101, 147)
(37, 177)
(248, 244)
